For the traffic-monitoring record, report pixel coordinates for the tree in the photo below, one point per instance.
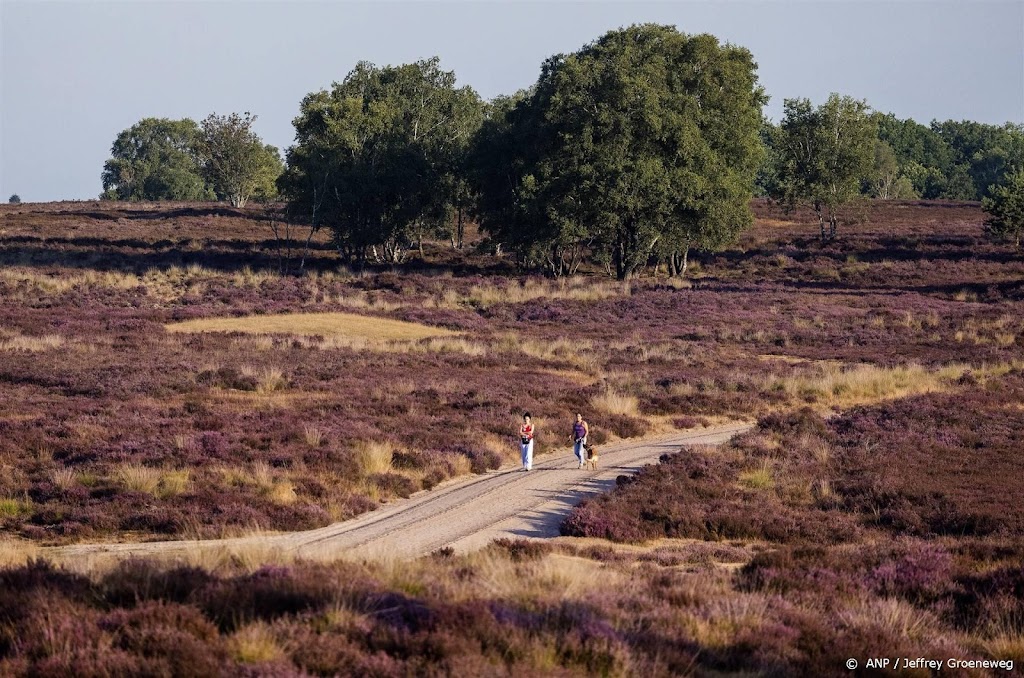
(982, 154)
(156, 159)
(504, 160)
(825, 154)
(236, 163)
(1005, 206)
(377, 158)
(14, 199)
(643, 138)
(924, 158)
(889, 181)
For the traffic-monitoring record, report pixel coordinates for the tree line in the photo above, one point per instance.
(636, 149)
(220, 158)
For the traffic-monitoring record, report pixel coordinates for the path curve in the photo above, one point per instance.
(464, 513)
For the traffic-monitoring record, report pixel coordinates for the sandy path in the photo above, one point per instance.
(464, 513)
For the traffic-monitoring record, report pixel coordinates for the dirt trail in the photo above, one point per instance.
(464, 513)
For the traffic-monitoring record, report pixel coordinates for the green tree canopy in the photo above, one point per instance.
(156, 159)
(14, 199)
(377, 159)
(825, 154)
(982, 153)
(644, 141)
(1005, 206)
(236, 163)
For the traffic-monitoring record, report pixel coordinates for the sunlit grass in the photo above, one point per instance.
(835, 384)
(315, 324)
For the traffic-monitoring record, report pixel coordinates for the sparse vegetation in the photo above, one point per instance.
(298, 401)
(226, 364)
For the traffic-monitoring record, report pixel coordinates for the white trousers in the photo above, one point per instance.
(527, 452)
(580, 451)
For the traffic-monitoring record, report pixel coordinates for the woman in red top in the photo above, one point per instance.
(526, 433)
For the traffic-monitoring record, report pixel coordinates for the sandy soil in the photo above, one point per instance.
(465, 513)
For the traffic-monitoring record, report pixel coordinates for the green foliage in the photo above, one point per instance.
(645, 141)
(956, 160)
(888, 180)
(984, 152)
(236, 163)
(1005, 206)
(14, 199)
(378, 158)
(156, 159)
(825, 154)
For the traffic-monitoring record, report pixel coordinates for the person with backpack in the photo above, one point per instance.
(526, 434)
(580, 431)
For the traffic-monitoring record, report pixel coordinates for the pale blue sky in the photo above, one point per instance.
(74, 74)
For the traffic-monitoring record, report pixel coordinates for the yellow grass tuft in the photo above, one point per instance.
(313, 436)
(138, 478)
(315, 324)
(270, 379)
(616, 403)
(760, 478)
(64, 478)
(14, 508)
(15, 341)
(374, 457)
(835, 384)
(153, 481)
(255, 643)
(282, 492)
(577, 289)
(14, 552)
(173, 483)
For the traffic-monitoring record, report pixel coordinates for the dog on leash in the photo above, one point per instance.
(592, 456)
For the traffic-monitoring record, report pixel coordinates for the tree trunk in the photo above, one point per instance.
(821, 221)
(678, 262)
(831, 225)
(305, 250)
(460, 230)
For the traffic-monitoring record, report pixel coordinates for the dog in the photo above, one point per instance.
(592, 457)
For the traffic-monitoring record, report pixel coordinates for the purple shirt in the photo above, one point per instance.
(579, 430)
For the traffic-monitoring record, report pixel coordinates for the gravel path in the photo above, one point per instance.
(465, 513)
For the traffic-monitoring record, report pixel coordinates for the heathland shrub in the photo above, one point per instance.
(900, 466)
(760, 332)
(697, 494)
(624, 426)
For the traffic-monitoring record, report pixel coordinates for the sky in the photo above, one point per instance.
(75, 74)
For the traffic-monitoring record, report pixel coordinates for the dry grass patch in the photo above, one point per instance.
(11, 340)
(759, 478)
(374, 457)
(47, 284)
(577, 353)
(64, 478)
(316, 324)
(14, 552)
(256, 643)
(157, 482)
(14, 508)
(576, 289)
(138, 478)
(837, 385)
(613, 402)
(313, 436)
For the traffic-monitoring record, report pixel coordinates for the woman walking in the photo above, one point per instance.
(580, 430)
(526, 433)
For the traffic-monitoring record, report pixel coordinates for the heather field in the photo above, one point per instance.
(159, 378)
